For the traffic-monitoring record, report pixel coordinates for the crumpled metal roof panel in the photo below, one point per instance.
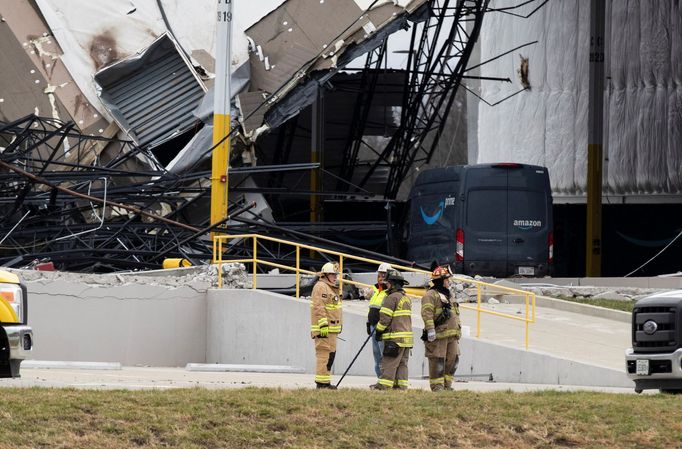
(297, 43)
(152, 96)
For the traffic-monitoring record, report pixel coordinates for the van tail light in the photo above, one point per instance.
(550, 245)
(459, 252)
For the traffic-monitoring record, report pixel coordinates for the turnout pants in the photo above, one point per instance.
(443, 358)
(325, 351)
(394, 370)
(377, 351)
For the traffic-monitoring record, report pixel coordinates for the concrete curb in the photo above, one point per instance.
(47, 364)
(225, 368)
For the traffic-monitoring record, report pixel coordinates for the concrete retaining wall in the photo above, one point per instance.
(171, 326)
(237, 334)
(132, 324)
(515, 365)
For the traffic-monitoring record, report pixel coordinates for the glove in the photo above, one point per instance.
(377, 335)
(324, 331)
(431, 334)
(369, 328)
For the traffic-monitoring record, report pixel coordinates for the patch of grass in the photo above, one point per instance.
(615, 304)
(267, 418)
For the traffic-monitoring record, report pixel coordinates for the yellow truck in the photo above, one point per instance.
(16, 337)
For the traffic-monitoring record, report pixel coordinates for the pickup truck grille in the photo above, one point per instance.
(660, 334)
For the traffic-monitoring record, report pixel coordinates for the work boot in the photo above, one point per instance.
(438, 387)
(325, 386)
(449, 388)
(378, 387)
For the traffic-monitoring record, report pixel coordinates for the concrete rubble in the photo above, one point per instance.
(201, 278)
(467, 291)
(616, 293)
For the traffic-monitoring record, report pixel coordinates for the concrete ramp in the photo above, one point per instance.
(258, 327)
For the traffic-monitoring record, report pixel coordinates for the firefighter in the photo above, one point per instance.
(375, 301)
(325, 323)
(442, 330)
(395, 329)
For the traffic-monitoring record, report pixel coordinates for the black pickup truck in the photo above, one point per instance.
(655, 359)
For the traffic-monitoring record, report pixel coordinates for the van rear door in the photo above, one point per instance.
(484, 222)
(507, 220)
(528, 221)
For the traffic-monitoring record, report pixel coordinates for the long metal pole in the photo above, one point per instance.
(594, 138)
(221, 113)
(316, 157)
(355, 358)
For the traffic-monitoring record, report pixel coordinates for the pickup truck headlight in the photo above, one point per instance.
(13, 295)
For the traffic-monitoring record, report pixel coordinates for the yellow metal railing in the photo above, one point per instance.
(481, 287)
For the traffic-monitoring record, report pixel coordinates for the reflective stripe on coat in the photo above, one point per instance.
(325, 308)
(395, 319)
(432, 307)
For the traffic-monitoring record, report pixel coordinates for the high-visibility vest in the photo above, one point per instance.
(395, 320)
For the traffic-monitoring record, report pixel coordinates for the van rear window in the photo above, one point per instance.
(490, 210)
(527, 210)
(487, 210)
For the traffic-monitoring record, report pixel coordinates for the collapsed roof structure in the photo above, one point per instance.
(105, 127)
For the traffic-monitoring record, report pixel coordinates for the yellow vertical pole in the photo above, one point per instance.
(298, 271)
(478, 310)
(221, 113)
(220, 263)
(255, 259)
(341, 275)
(527, 322)
(594, 209)
(595, 137)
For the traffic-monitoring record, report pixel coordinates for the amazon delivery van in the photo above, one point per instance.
(485, 219)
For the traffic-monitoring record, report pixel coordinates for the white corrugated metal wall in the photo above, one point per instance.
(547, 125)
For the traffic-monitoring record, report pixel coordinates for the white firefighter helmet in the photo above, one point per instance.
(384, 267)
(330, 268)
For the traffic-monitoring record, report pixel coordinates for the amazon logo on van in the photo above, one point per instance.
(431, 219)
(442, 205)
(527, 224)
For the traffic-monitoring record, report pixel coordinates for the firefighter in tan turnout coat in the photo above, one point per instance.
(326, 319)
(395, 329)
(442, 330)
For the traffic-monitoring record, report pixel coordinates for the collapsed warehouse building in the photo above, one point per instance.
(105, 127)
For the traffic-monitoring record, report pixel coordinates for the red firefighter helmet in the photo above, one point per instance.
(442, 272)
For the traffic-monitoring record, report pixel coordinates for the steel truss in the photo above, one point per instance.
(89, 203)
(435, 68)
(95, 204)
